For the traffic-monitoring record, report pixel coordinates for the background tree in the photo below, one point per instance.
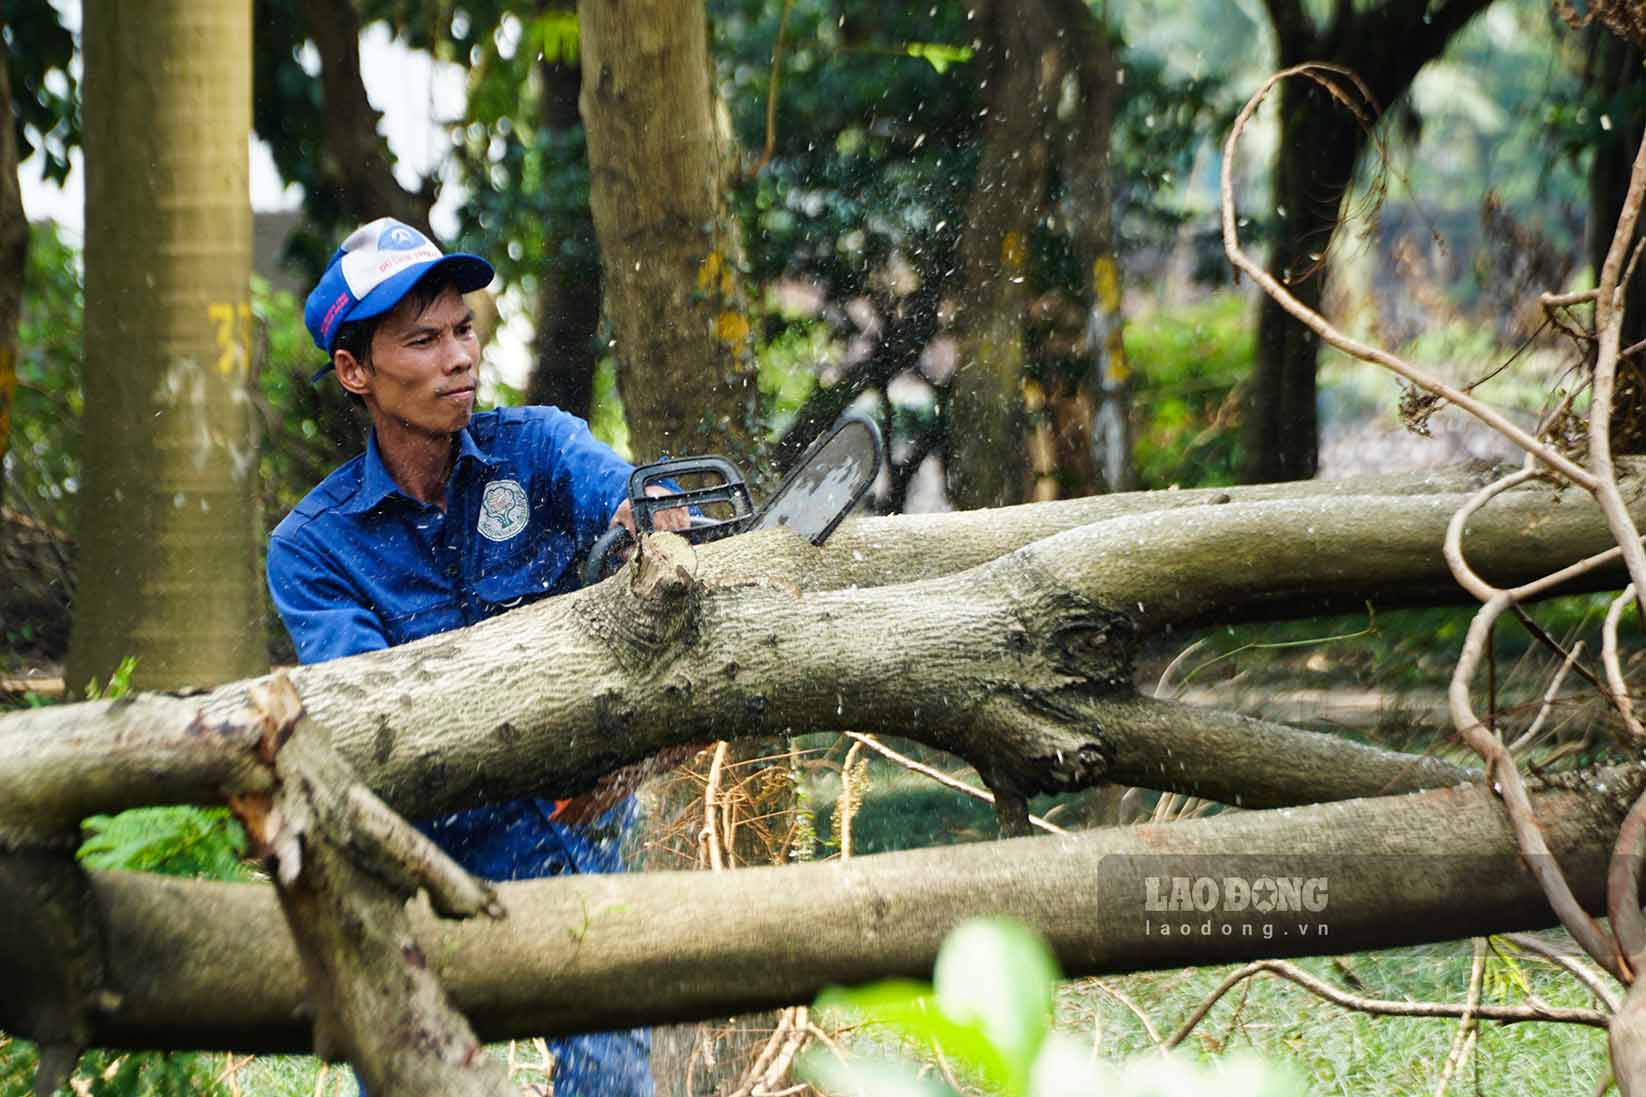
(169, 530)
(661, 156)
(1320, 142)
(14, 247)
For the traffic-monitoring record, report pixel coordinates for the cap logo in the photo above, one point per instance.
(504, 510)
(399, 238)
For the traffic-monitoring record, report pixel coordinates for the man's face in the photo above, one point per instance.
(424, 367)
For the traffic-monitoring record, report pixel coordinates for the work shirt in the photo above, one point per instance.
(359, 565)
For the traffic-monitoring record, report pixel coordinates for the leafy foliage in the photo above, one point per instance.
(43, 467)
(44, 91)
(115, 1074)
(1189, 363)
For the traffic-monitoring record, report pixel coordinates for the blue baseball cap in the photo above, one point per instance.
(376, 266)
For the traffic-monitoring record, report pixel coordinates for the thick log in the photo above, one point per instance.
(1020, 664)
(211, 965)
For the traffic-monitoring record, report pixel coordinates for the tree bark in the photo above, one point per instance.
(205, 965)
(1022, 65)
(661, 154)
(169, 534)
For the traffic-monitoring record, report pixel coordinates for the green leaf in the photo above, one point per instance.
(999, 976)
(938, 55)
(910, 1009)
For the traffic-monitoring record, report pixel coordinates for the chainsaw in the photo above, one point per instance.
(828, 480)
(834, 473)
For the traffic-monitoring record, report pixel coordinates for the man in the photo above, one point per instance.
(447, 519)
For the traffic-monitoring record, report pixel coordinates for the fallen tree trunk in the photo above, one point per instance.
(210, 965)
(1021, 665)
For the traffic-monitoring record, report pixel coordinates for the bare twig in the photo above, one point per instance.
(1614, 666)
(1176, 665)
(1623, 886)
(1530, 734)
(1583, 973)
(1136, 1011)
(851, 795)
(1465, 1038)
(1329, 333)
(1405, 1008)
(1595, 939)
(943, 778)
(709, 839)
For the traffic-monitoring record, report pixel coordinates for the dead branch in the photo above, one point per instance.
(1384, 1006)
(941, 778)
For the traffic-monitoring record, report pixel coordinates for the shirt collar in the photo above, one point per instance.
(377, 485)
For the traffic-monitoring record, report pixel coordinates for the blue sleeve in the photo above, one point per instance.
(590, 481)
(323, 613)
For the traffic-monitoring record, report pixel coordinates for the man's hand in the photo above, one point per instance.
(675, 518)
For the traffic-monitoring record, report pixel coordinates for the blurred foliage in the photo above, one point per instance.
(45, 94)
(115, 1074)
(43, 467)
(1189, 363)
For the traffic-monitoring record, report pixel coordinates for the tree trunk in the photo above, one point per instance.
(169, 531)
(1088, 212)
(1384, 46)
(1020, 664)
(1321, 144)
(359, 165)
(14, 248)
(1022, 64)
(568, 288)
(661, 154)
(1387, 872)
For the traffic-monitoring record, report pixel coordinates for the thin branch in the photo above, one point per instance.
(1614, 667)
(1465, 1038)
(1385, 1007)
(1536, 725)
(709, 839)
(1453, 547)
(1605, 991)
(1136, 1011)
(943, 778)
(850, 797)
(1623, 885)
(1507, 782)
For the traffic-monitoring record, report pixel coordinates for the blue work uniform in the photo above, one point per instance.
(359, 565)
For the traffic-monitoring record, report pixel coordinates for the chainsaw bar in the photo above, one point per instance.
(828, 480)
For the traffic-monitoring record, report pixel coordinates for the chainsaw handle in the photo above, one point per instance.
(604, 558)
(597, 564)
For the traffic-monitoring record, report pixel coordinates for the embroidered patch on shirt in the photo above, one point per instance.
(504, 510)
